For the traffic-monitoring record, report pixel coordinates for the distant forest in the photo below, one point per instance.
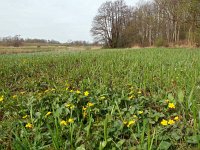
(17, 41)
(154, 23)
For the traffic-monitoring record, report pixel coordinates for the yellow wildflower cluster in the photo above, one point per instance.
(89, 104)
(71, 120)
(29, 125)
(164, 122)
(1, 98)
(169, 122)
(64, 122)
(167, 101)
(22, 93)
(53, 89)
(176, 118)
(171, 105)
(86, 93)
(47, 114)
(84, 114)
(140, 112)
(14, 96)
(139, 92)
(78, 92)
(135, 117)
(131, 95)
(71, 106)
(84, 108)
(67, 86)
(46, 91)
(24, 117)
(84, 111)
(129, 123)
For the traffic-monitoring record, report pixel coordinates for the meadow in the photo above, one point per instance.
(145, 99)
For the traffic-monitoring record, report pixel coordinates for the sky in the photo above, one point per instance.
(61, 20)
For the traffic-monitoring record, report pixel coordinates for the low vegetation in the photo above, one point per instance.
(103, 99)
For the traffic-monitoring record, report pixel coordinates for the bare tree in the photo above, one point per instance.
(110, 22)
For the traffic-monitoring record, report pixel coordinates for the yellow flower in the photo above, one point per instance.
(29, 125)
(1, 98)
(66, 88)
(78, 92)
(89, 104)
(131, 92)
(102, 97)
(48, 113)
(67, 105)
(70, 120)
(46, 91)
(63, 123)
(140, 112)
(22, 93)
(130, 123)
(164, 122)
(71, 91)
(130, 97)
(67, 84)
(14, 96)
(134, 116)
(139, 92)
(24, 117)
(125, 122)
(71, 106)
(84, 108)
(86, 93)
(171, 105)
(167, 101)
(176, 118)
(170, 122)
(84, 114)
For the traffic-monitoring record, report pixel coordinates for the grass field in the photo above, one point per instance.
(103, 99)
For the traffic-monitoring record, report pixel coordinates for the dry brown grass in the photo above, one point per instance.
(34, 49)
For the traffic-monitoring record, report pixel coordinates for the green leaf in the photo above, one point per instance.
(103, 144)
(170, 97)
(82, 147)
(175, 136)
(193, 139)
(164, 145)
(120, 143)
(38, 114)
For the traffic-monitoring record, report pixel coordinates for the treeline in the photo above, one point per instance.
(82, 43)
(155, 23)
(17, 41)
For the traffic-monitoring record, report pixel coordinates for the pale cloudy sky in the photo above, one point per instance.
(62, 20)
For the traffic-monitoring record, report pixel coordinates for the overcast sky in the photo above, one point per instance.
(61, 20)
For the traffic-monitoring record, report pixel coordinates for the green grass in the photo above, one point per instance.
(129, 96)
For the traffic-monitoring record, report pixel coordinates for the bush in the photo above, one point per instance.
(160, 42)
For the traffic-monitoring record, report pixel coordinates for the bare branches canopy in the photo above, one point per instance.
(160, 22)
